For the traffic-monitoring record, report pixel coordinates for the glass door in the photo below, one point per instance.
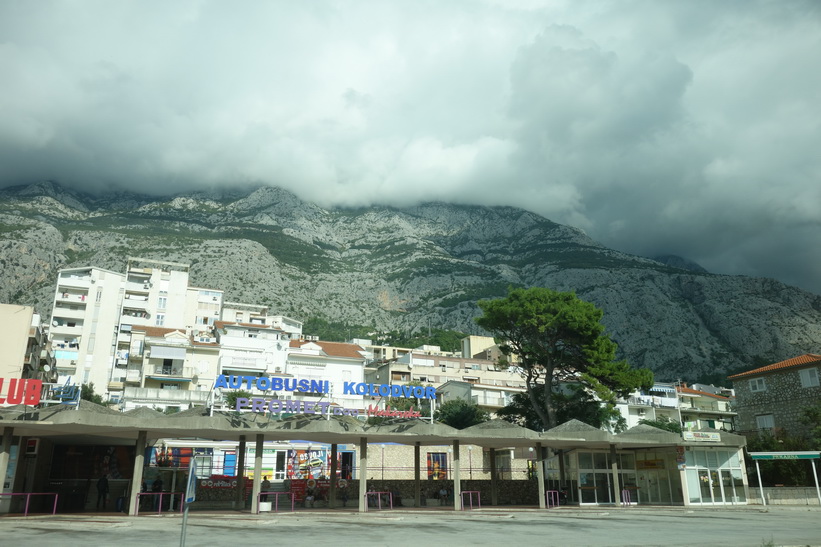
(717, 486)
(705, 486)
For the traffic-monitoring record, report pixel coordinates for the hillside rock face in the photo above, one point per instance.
(404, 269)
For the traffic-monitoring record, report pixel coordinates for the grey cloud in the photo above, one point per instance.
(658, 127)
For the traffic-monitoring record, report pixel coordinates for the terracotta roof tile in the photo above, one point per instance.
(156, 331)
(336, 349)
(800, 361)
(691, 391)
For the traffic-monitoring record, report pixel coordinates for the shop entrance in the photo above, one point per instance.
(654, 486)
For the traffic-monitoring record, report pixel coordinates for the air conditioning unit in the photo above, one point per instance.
(278, 369)
(642, 412)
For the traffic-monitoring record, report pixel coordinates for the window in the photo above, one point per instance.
(758, 384)
(162, 302)
(765, 422)
(160, 319)
(809, 377)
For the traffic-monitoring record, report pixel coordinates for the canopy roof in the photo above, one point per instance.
(89, 419)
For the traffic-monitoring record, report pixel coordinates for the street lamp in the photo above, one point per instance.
(470, 460)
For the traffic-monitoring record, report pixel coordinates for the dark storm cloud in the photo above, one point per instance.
(658, 127)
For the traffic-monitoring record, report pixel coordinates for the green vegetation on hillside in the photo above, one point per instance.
(447, 340)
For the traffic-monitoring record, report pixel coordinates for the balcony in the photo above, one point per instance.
(133, 376)
(69, 280)
(651, 401)
(163, 372)
(66, 329)
(75, 311)
(71, 296)
(168, 396)
(243, 364)
(140, 286)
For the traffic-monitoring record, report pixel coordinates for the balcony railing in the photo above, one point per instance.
(181, 396)
(174, 372)
(133, 375)
(655, 402)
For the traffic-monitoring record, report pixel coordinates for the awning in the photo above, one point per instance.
(163, 352)
(664, 389)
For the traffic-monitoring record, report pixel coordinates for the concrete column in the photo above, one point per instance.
(255, 490)
(685, 492)
(240, 499)
(5, 453)
(137, 475)
(457, 478)
(494, 479)
(332, 490)
(363, 474)
(540, 474)
(417, 475)
(562, 477)
(614, 466)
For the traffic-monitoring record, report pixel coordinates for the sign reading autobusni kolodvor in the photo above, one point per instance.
(266, 383)
(278, 406)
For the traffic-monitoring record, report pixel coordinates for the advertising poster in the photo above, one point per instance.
(308, 464)
(175, 457)
(437, 466)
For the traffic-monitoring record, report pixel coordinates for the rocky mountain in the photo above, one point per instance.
(404, 268)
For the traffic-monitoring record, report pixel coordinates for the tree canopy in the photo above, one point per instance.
(572, 402)
(559, 338)
(460, 414)
(87, 394)
(663, 422)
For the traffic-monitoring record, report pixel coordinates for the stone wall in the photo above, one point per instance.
(784, 398)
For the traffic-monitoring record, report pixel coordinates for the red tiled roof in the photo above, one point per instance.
(691, 391)
(800, 361)
(156, 331)
(336, 349)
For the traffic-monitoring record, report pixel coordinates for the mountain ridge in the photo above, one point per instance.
(399, 268)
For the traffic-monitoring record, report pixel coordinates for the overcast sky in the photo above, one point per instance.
(688, 127)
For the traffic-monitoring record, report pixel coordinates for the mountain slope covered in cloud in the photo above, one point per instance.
(403, 268)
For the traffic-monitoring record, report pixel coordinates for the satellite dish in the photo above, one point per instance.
(46, 368)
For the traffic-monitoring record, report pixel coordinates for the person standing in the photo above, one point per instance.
(266, 487)
(156, 488)
(102, 490)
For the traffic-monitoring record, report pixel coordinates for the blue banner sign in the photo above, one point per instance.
(274, 383)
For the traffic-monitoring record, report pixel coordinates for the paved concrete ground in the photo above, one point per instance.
(491, 526)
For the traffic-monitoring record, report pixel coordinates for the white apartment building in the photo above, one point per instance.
(490, 387)
(335, 362)
(692, 408)
(252, 348)
(95, 312)
(84, 320)
(236, 312)
(168, 369)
